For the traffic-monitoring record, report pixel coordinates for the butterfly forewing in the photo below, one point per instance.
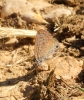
(45, 45)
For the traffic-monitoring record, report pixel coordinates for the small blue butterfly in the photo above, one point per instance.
(45, 45)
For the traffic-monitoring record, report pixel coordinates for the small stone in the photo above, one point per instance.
(42, 67)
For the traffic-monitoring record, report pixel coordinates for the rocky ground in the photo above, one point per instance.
(64, 79)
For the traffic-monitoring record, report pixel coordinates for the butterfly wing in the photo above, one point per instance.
(45, 45)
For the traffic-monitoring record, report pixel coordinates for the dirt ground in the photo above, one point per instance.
(18, 77)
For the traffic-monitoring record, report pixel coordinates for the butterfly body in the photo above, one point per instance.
(45, 45)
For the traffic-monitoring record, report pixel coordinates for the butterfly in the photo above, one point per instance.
(45, 45)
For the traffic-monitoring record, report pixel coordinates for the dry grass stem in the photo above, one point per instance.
(11, 32)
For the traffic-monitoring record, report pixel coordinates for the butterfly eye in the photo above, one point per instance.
(57, 46)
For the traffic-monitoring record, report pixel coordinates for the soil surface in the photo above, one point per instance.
(64, 79)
